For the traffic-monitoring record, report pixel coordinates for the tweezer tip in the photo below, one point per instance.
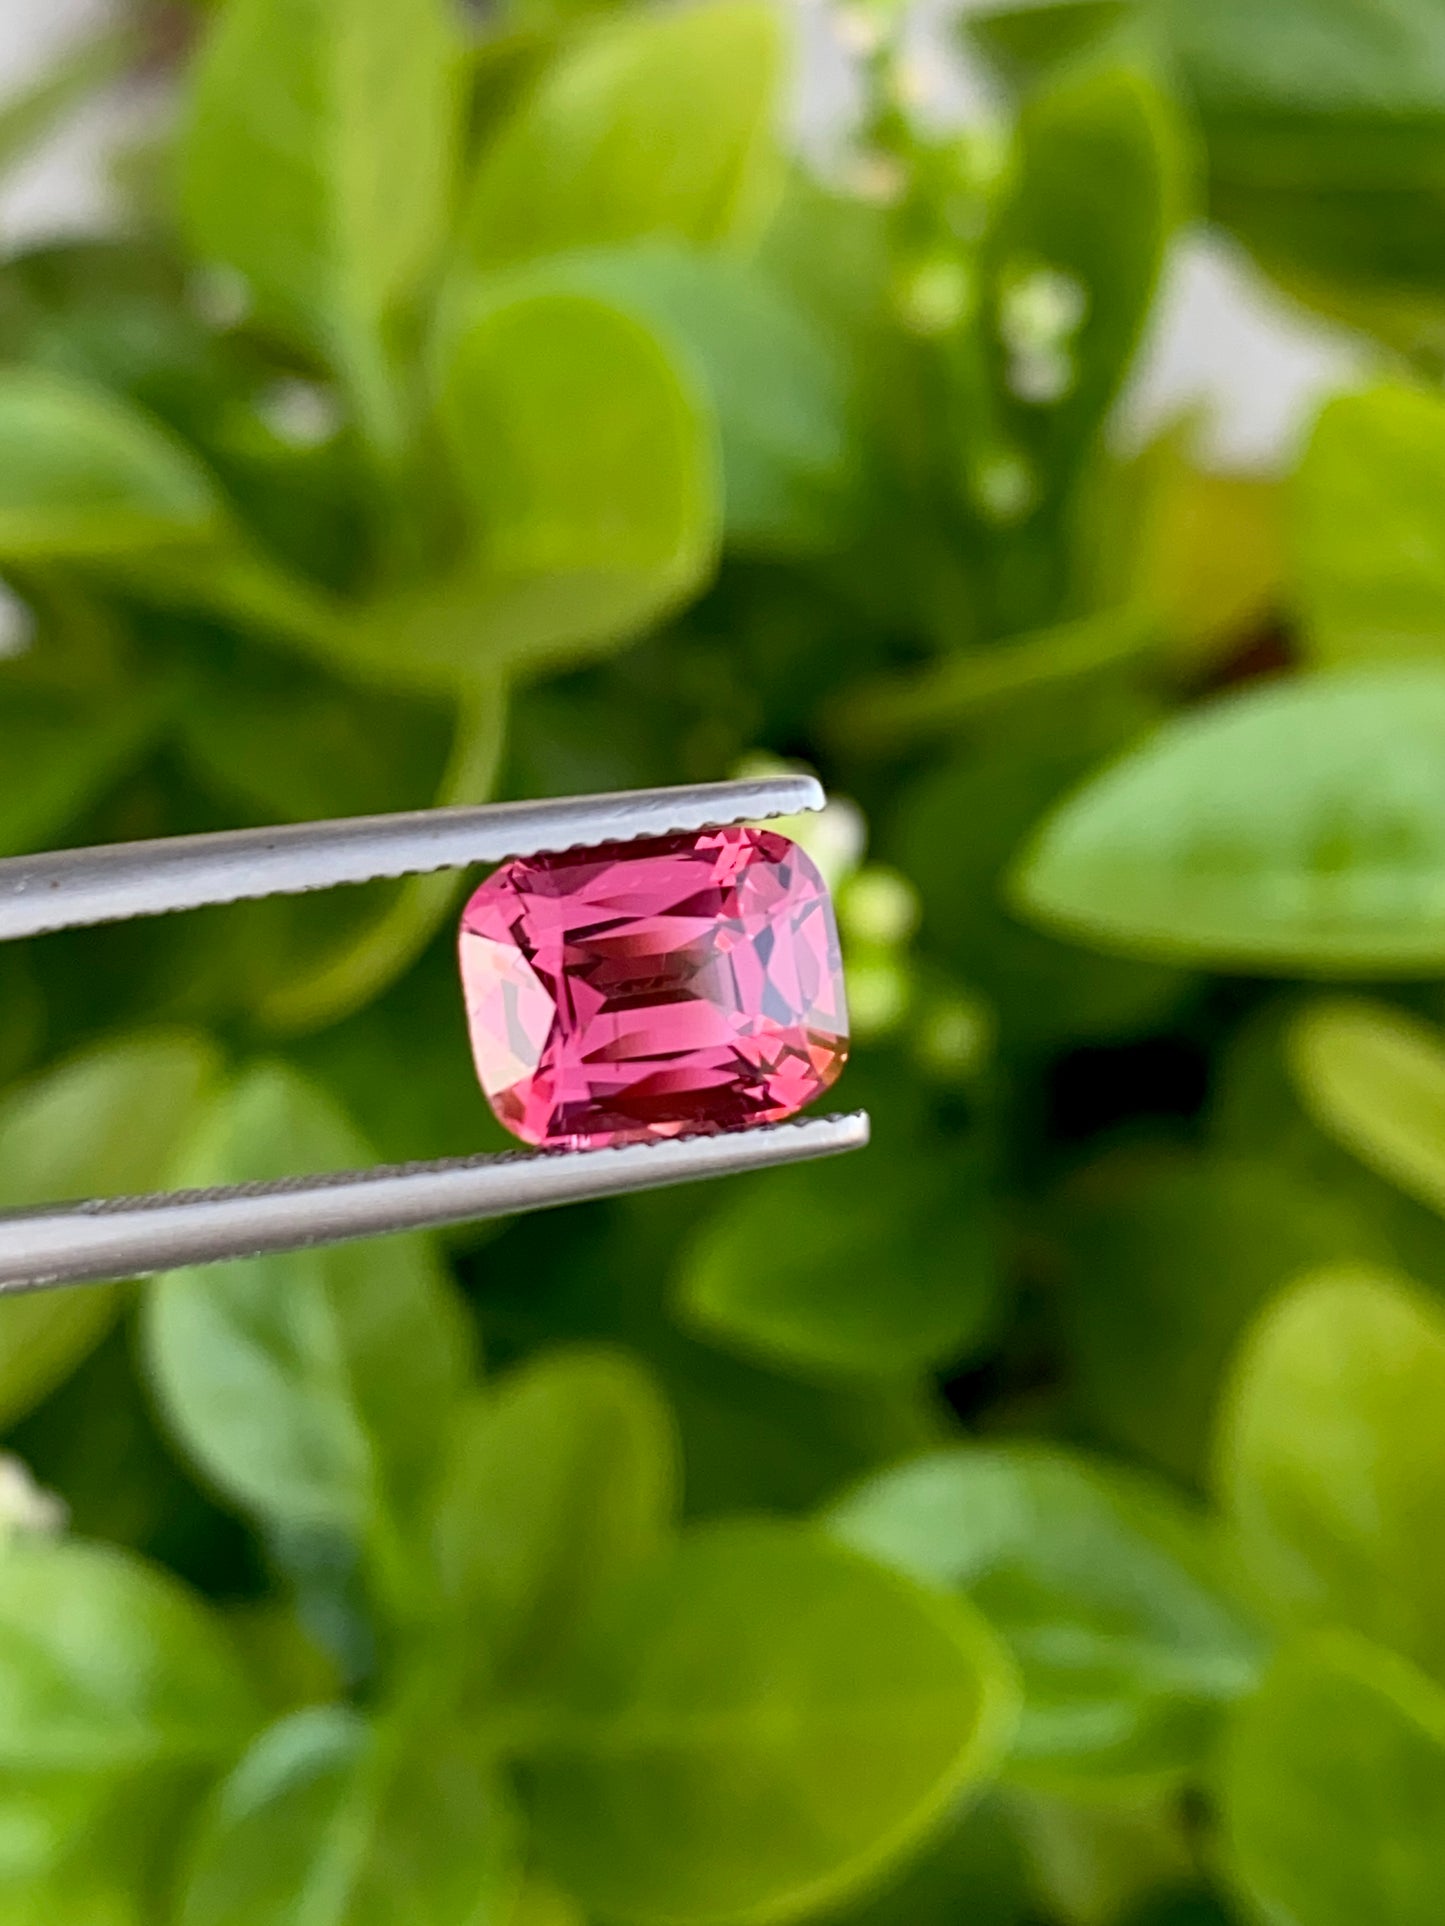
(811, 795)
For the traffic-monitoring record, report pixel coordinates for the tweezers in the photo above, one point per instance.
(113, 1237)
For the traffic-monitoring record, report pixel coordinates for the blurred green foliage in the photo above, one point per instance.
(1035, 1522)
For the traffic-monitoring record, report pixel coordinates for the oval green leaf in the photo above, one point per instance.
(109, 1666)
(338, 1823)
(657, 123)
(776, 383)
(591, 470)
(821, 1272)
(590, 466)
(1331, 1440)
(1296, 829)
(561, 1481)
(1369, 528)
(1334, 1790)
(1373, 1078)
(1106, 1589)
(318, 161)
(758, 1723)
(86, 476)
(1325, 126)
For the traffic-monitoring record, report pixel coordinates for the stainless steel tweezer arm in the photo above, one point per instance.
(77, 887)
(135, 1236)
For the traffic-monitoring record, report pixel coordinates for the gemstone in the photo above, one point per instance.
(654, 988)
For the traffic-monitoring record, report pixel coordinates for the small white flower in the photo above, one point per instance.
(221, 297)
(1043, 377)
(302, 414)
(955, 1038)
(860, 30)
(1042, 311)
(877, 178)
(879, 992)
(1006, 488)
(936, 296)
(17, 623)
(26, 1507)
(834, 836)
(880, 907)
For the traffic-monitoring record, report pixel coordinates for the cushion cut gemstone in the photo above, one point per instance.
(653, 988)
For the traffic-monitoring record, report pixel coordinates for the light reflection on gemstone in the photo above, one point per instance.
(646, 989)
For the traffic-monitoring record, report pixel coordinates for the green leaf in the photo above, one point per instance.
(824, 1273)
(109, 1122)
(1325, 122)
(561, 1481)
(1297, 828)
(586, 461)
(1334, 1790)
(1373, 1078)
(1321, 66)
(315, 1389)
(1258, 1114)
(1330, 1445)
(755, 1725)
(658, 123)
(775, 381)
(1369, 536)
(318, 161)
(1107, 1591)
(333, 1822)
(108, 1666)
(590, 469)
(87, 477)
(1103, 182)
(1164, 1259)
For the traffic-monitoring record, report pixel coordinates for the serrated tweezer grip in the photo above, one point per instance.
(138, 1236)
(73, 888)
(135, 1236)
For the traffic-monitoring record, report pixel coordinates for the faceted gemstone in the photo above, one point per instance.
(653, 988)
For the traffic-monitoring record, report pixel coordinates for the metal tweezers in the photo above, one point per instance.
(113, 1237)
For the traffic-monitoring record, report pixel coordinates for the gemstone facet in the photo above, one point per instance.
(653, 988)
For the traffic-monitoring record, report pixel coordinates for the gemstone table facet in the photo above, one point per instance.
(654, 988)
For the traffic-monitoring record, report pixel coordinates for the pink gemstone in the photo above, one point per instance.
(650, 989)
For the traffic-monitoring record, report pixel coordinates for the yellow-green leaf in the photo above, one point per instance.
(1331, 1439)
(661, 122)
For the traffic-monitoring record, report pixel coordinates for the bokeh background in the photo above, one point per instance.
(1030, 420)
